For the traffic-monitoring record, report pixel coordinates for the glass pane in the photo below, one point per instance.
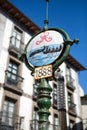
(14, 66)
(71, 124)
(8, 112)
(14, 33)
(13, 77)
(13, 41)
(5, 108)
(68, 70)
(70, 97)
(10, 65)
(11, 110)
(9, 69)
(10, 122)
(35, 115)
(11, 104)
(9, 75)
(56, 120)
(22, 123)
(16, 38)
(19, 36)
(14, 71)
(17, 43)
(4, 117)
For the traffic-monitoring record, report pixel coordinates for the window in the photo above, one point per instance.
(12, 72)
(35, 90)
(9, 111)
(35, 86)
(71, 124)
(35, 114)
(22, 123)
(56, 122)
(68, 73)
(70, 97)
(70, 100)
(71, 105)
(69, 79)
(35, 118)
(16, 37)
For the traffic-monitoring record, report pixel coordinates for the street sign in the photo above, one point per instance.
(43, 72)
(47, 47)
(44, 48)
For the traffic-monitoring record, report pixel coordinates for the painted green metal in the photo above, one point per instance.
(65, 54)
(60, 61)
(44, 102)
(67, 41)
(44, 89)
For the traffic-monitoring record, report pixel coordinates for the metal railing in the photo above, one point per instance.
(36, 125)
(16, 44)
(14, 80)
(72, 107)
(9, 121)
(70, 82)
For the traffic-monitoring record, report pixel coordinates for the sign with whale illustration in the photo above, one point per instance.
(44, 48)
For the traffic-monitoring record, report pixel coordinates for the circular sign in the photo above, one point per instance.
(44, 48)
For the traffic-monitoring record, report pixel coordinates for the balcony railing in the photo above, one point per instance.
(70, 82)
(35, 125)
(9, 121)
(16, 45)
(72, 107)
(13, 82)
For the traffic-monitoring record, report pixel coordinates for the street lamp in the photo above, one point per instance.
(43, 55)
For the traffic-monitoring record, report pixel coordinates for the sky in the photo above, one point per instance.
(69, 15)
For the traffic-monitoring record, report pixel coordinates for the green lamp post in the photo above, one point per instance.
(43, 54)
(44, 103)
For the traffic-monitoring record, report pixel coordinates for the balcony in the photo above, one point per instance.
(72, 108)
(9, 121)
(13, 83)
(70, 82)
(35, 125)
(16, 46)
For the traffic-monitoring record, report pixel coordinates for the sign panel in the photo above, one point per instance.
(61, 93)
(43, 72)
(44, 48)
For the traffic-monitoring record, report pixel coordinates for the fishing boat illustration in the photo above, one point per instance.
(46, 50)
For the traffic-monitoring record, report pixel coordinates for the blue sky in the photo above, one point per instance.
(70, 15)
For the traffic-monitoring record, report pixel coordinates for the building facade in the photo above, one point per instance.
(84, 109)
(18, 88)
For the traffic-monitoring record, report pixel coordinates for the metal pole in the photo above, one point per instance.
(44, 103)
(46, 20)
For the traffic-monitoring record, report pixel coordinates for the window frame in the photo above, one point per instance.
(12, 75)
